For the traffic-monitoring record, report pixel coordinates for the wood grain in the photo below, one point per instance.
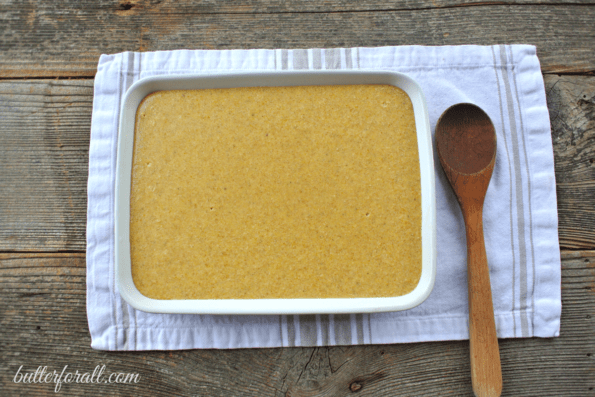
(44, 140)
(65, 38)
(571, 103)
(43, 323)
(44, 146)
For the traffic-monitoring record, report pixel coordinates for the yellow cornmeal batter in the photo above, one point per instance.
(284, 192)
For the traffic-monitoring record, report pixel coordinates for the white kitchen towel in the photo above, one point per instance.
(520, 215)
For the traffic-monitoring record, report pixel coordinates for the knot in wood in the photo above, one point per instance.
(355, 386)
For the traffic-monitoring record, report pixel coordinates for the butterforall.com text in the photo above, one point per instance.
(99, 376)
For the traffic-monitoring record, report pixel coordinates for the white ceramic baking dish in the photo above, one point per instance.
(146, 86)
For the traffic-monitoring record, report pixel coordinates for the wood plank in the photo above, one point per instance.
(571, 102)
(44, 146)
(66, 38)
(281, 6)
(44, 140)
(43, 323)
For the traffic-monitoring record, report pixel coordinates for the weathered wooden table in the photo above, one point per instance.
(48, 56)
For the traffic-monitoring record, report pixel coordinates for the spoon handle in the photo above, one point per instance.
(486, 373)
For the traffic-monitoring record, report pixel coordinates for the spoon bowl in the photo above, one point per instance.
(466, 144)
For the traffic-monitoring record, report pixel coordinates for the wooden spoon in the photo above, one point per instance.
(466, 142)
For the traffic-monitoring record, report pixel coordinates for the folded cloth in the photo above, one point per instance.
(520, 214)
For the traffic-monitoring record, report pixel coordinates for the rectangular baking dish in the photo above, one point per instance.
(146, 86)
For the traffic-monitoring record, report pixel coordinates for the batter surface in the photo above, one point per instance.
(284, 192)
